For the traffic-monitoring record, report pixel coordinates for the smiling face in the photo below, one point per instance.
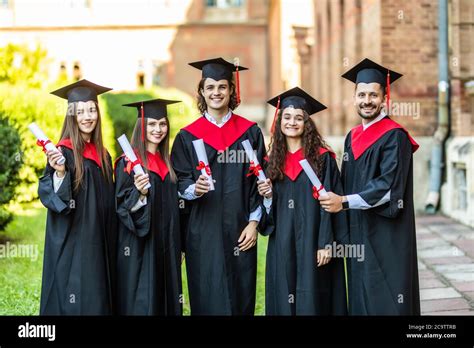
(87, 116)
(156, 130)
(369, 99)
(292, 122)
(216, 94)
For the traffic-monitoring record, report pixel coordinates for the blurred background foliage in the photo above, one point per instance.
(25, 98)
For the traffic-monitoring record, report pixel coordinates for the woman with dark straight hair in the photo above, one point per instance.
(149, 251)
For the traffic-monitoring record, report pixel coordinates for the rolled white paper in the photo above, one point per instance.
(128, 151)
(313, 177)
(252, 157)
(202, 157)
(39, 134)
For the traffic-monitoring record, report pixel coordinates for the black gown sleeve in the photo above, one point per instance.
(338, 225)
(399, 150)
(259, 147)
(331, 181)
(182, 163)
(267, 223)
(126, 196)
(339, 220)
(58, 202)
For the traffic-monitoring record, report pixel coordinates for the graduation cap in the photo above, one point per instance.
(296, 98)
(154, 108)
(219, 69)
(82, 90)
(367, 71)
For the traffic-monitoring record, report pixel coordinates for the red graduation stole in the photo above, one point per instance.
(156, 164)
(293, 167)
(90, 151)
(362, 140)
(220, 138)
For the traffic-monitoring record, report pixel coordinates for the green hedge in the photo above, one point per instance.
(10, 165)
(124, 118)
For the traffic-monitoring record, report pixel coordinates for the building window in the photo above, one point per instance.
(140, 79)
(78, 3)
(62, 75)
(224, 3)
(225, 11)
(4, 3)
(158, 73)
(76, 71)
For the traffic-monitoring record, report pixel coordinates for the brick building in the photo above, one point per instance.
(132, 44)
(402, 35)
(309, 43)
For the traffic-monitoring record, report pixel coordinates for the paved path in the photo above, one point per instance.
(446, 266)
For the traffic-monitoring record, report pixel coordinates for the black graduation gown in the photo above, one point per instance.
(298, 227)
(380, 159)
(221, 279)
(149, 254)
(79, 252)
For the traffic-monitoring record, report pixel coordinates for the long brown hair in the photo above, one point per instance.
(311, 142)
(201, 102)
(71, 131)
(163, 147)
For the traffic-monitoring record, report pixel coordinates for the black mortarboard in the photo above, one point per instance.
(154, 108)
(296, 98)
(217, 68)
(299, 99)
(82, 90)
(220, 69)
(368, 71)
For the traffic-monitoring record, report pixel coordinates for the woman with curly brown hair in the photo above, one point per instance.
(301, 276)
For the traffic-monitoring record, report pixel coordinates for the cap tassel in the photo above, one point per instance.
(275, 116)
(237, 80)
(388, 92)
(143, 122)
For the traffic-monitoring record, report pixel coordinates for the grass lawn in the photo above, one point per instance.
(20, 278)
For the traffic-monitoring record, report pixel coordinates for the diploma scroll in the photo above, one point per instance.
(254, 164)
(203, 165)
(130, 154)
(318, 188)
(44, 142)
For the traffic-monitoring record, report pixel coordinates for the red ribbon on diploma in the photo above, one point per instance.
(203, 166)
(254, 169)
(130, 165)
(43, 144)
(316, 191)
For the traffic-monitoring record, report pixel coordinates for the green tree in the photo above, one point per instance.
(10, 164)
(19, 64)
